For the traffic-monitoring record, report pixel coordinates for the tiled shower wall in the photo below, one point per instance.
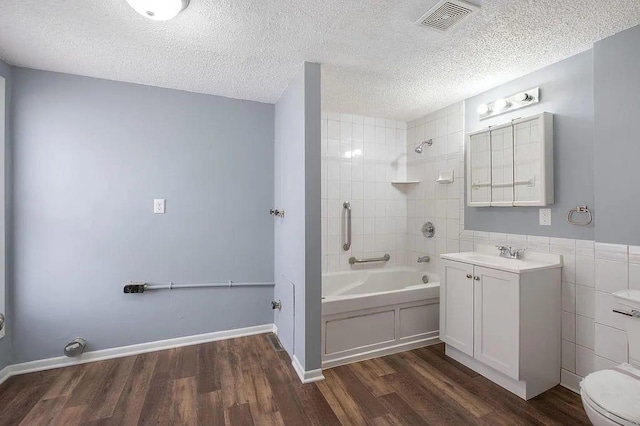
(361, 156)
(428, 200)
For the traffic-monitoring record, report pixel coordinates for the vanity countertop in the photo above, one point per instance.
(488, 257)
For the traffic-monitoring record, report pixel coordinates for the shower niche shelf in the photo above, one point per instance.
(404, 182)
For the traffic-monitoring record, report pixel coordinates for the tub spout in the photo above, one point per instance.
(424, 259)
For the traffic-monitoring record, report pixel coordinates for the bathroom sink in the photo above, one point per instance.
(484, 257)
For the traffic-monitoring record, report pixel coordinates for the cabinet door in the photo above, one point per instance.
(497, 320)
(479, 168)
(533, 160)
(502, 165)
(456, 305)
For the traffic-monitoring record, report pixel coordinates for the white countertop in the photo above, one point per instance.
(488, 257)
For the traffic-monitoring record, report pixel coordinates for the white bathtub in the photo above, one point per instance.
(366, 314)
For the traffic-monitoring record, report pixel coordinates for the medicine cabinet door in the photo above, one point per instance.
(502, 165)
(479, 168)
(533, 160)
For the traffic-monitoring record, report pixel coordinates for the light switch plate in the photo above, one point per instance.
(545, 217)
(158, 206)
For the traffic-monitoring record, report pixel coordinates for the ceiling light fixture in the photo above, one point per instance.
(159, 10)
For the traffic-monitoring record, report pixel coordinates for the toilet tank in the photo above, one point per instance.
(629, 305)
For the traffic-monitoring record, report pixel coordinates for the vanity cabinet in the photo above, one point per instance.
(504, 325)
(511, 164)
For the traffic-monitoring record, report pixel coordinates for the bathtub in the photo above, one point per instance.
(366, 314)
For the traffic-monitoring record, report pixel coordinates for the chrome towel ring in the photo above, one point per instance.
(580, 209)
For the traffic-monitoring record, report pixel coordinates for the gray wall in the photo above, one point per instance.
(313, 225)
(90, 156)
(566, 90)
(298, 236)
(5, 343)
(617, 144)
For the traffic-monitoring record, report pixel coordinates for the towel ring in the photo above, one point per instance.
(580, 209)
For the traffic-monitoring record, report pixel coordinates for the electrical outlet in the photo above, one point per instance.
(545, 217)
(158, 206)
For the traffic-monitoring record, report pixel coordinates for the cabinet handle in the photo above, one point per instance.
(469, 276)
(476, 278)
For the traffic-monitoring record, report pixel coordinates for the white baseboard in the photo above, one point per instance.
(306, 376)
(5, 373)
(570, 381)
(376, 353)
(122, 351)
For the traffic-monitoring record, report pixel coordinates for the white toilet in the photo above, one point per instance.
(612, 397)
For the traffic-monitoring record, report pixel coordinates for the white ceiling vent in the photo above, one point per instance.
(446, 14)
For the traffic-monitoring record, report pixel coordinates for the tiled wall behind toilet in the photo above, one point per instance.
(593, 337)
(361, 156)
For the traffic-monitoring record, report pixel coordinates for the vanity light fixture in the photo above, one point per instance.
(159, 10)
(509, 103)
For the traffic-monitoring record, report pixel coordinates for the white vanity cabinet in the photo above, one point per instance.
(502, 319)
(511, 164)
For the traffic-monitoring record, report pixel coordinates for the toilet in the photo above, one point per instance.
(612, 396)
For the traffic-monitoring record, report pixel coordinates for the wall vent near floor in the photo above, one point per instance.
(446, 14)
(275, 342)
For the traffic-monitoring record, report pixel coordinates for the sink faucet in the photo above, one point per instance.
(424, 259)
(510, 252)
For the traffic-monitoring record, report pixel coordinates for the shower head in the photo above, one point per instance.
(419, 147)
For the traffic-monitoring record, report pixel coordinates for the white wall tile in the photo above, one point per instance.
(600, 363)
(569, 356)
(585, 361)
(613, 252)
(585, 301)
(611, 343)
(585, 332)
(568, 326)
(605, 304)
(568, 297)
(634, 276)
(585, 270)
(611, 276)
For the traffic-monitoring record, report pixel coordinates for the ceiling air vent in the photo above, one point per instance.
(446, 14)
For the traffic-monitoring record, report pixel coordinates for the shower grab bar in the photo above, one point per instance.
(347, 206)
(385, 258)
(141, 287)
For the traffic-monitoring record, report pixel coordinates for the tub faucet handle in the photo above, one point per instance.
(424, 259)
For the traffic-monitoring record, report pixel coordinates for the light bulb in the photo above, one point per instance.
(523, 97)
(159, 10)
(501, 104)
(483, 109)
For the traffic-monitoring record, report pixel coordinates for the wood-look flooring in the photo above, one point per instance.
(244, 381)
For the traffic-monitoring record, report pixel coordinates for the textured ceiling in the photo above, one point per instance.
(375, 60)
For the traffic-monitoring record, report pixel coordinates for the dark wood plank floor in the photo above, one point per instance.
(244, 381)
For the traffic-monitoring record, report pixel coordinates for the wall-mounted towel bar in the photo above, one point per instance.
(385, 258)
(141, 287)
(529, 182)
(580, 209)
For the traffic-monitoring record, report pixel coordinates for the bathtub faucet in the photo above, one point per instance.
(424, 259)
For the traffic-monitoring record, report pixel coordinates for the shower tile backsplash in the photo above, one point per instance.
(362, 155)
(360, 158)
(430, 201)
